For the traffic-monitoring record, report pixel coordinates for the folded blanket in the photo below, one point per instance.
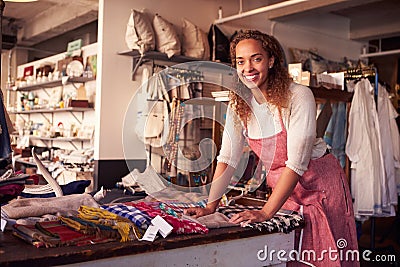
(36, 207)
(215, 220)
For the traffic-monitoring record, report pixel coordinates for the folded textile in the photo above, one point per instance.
(34, 220)
(36, 207)
(54, 234)
(215, 220)
(180, 226)
(126, 229)
(16, 178)
(38, 189)
(172, 194)
(91, 228)
(139, 218)
(281, 222)
(46, 191)
(284, 223)
(231, 210)
(11, 189)
(180, 206)
(149, 180)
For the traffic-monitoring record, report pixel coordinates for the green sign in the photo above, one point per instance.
(74, 45)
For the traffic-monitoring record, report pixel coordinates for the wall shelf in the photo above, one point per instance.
(139, 59)
(50, 84)
(70, 109)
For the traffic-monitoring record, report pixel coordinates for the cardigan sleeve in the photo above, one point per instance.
(232, 140)
(301, 129)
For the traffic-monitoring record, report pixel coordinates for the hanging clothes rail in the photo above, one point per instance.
(371, 73)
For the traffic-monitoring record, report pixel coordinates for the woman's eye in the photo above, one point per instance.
(239, 62)
(257, 59)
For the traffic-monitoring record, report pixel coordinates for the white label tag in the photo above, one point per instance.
(150, 233)
(163, 227)
(3, 224)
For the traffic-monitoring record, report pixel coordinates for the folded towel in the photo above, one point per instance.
(36, 207)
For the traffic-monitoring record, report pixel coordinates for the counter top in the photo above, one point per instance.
(15, 252)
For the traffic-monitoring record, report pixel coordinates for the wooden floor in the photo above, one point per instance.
(387, 241)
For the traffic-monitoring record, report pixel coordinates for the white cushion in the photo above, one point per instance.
(194, 41)
(139, 32)
(167, 40)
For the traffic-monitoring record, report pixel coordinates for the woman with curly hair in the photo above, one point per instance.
(278, 119)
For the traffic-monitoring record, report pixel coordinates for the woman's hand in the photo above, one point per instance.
(249, 216)
(198, 212)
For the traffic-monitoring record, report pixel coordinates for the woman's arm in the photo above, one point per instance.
(222, 176)
(283, 189)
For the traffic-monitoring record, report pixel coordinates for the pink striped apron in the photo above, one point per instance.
(323, 196)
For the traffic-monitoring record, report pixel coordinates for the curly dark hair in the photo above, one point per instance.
(278, 77)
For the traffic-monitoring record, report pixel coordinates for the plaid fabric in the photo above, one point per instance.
(281, 222)
(139, 218)
(180, 226)
(229, 211)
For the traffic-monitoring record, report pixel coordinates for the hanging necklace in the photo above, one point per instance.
(196, 179)
(204, 178)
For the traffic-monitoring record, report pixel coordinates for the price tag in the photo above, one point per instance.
(150, 234)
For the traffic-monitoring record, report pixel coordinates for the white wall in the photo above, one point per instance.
(327, 34)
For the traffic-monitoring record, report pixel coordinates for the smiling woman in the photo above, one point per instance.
(304, 178)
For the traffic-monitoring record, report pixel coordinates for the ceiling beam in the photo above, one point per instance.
(57, 20)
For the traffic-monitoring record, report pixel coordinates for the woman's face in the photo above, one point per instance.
(252, 63)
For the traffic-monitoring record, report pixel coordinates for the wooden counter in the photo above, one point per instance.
(233, 246)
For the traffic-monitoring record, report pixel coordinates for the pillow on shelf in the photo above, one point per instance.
(167, 40)
(194, 41)
(139, 32)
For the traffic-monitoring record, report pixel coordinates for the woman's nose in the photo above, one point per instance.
(247, 66)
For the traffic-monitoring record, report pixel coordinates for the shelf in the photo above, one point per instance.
(70, 109)
(25, 161)
(29, 161)
(63, 139)
(332, 94)
(71, 140)
(50, 84)
(157, 56)
(139, 59)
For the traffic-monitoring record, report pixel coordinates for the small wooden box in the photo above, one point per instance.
(78, 103)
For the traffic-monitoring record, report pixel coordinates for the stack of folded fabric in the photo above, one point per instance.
(46, 191)
(89, 224)
(55, 234)
(11, 185)
(283, 221)
(141, 213)
(103, 224)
